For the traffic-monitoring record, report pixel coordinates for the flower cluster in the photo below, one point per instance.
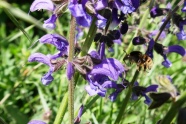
(105, 74)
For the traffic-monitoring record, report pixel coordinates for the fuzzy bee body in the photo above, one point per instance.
(142, 60)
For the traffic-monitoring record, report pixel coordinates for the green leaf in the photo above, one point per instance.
(15, 114)
(14, 20)
(130, 119)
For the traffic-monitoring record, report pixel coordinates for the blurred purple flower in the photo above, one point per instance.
(126, 6)
(42, 4)
(184, 7)
(181, 35)
(77, 120)
(36, 122)
(155, 32)
(163, 51)
(139, 90)
(119, 89)
(156, 11)
(78, 10)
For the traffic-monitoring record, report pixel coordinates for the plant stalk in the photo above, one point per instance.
(70, 59)
(129, 92)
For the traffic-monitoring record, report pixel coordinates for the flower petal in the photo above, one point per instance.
(70, 70)
(47, 78)
(39, 57)
(181, 35)
(90, 91)
(101, 4)
(57, 40)
(166, 63)
(109, 67)
(101, 22)
(152, 88)
(184, 7)
(50, 23)
(109, 84)
(113, 96)
(42, 4)
(176, 48)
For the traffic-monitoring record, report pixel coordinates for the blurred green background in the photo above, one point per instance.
(22, 95)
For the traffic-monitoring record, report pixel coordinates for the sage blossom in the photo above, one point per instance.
(52, 60)
(46, 5)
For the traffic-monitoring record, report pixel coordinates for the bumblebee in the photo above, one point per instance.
(142, 60)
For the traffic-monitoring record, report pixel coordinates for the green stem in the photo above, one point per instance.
(126, 100)
(142, 22)
(71, 81)
(87, 44)
(129, 92)
(89, 38)
(168, 19)
(174, 109)
(62, 110)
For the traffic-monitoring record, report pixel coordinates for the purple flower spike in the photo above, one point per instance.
(42, 4)
(50, 23)
(57, 40)
(70, 70)
(184, 7)
(36, 122)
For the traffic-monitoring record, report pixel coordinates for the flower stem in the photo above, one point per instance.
(129, 92)
(174, 109)
(144, 18)
(126, 100)
(71, 81)
(89, 38)
(168, 19)
(62, 110)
